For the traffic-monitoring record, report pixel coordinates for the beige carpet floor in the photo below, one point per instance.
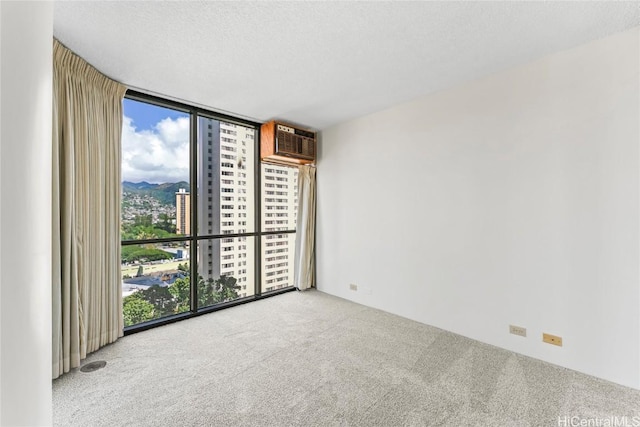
(310, 359)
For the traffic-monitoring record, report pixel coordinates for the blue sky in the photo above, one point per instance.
(155, 143)
(146, 116)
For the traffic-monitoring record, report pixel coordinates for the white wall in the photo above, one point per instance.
(26, 31)
(513, 199)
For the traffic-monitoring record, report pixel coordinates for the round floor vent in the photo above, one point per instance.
(93, 366)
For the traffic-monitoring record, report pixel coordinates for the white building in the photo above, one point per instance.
(279, 212)
(225, 188)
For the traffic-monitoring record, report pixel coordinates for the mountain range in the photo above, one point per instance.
(164, 193)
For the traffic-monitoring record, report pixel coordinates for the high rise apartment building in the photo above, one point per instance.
(279, 213)
(225, 198)
(225, 206)
(183, 212)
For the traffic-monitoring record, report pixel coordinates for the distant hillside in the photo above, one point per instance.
(164, 193)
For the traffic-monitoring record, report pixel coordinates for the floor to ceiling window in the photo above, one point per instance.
(279, 213)
(226, 209)
(193, 236)
(155, 181)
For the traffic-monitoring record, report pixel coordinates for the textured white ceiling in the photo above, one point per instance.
(320, 63)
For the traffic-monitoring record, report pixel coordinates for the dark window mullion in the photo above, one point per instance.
(193, 171)
(257, 175)
(224, 236)
(145, 241)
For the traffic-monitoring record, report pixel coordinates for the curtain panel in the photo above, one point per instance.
(86, 286)
(304, 261)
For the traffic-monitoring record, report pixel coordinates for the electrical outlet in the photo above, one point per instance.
(353, 287)
(552, 339)
(518, 330)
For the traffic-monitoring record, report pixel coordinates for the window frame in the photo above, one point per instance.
(193, 238)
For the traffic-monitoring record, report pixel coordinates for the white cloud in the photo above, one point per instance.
(158, 155)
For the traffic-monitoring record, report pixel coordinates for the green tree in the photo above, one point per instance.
(165, 222)
(207, 294)
(161, 299)
(146, 234)
(136, 253)
(227, 288)
(140, 231)
(136, 310)
(180, 290)
(210, 292)
(145, 220)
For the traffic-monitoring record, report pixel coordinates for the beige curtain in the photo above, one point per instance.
(87, 127)
(304, 261)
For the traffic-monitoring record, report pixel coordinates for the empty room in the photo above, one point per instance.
(319, 213)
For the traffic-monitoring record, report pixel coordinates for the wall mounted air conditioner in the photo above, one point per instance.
(283, 143)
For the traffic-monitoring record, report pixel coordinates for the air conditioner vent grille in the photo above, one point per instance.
(294, 144)
(283, 143)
